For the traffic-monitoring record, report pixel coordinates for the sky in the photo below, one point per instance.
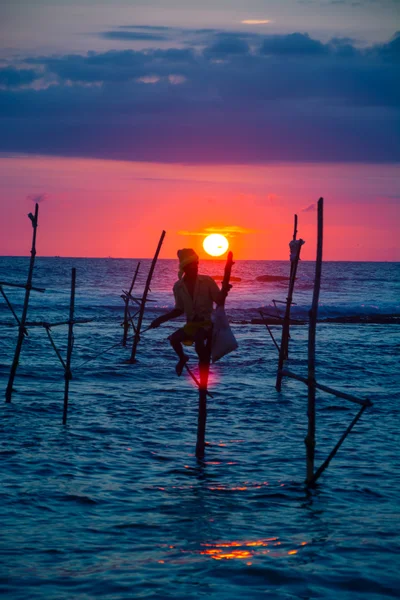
(128, 118)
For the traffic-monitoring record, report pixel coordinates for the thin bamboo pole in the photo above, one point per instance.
(127, 298)
(284, 348)
(45, 324)
(329, 390)
(67, 372)
(269, 331)
(23, 285)
(136, 339)
(28, 287)
(56, 350)
(312, 330)
(10, 306)
(205, 371)
(326, 462)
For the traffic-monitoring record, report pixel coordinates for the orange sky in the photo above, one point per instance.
(108, 208)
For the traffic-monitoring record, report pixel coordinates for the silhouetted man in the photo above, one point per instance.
(194, 296)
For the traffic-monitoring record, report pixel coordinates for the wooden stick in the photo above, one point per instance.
(329, 390)
(202, 417)
(269, 331)
(312, 330)
(51, 325)
(56, 350)
(284, 348)
(28, 286)
(10, 306)
(23, 285)
(144, 298)
(67, 373)
(126, 321)
(326, 462)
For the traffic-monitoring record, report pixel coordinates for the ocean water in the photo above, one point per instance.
(114, 505)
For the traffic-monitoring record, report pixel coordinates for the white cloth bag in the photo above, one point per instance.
(223, 340)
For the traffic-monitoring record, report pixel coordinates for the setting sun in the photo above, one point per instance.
(215, 244)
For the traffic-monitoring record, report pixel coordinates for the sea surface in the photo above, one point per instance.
(114, 504)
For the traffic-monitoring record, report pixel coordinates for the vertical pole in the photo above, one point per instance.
(284, 348)
(126, 323)
(202, 418)
(294, 239)
(67, 372)
(28, 287)
(205, 370)
(312, 330)
(144, 298)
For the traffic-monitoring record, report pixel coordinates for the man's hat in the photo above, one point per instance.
(186, 256)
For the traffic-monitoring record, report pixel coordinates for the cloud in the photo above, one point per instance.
(37, 198)
(228, 231)
(310, 208)
(228, 44)
(12, 77)
(125, 35)
(256, 21)
(298, 44)
(238, 100)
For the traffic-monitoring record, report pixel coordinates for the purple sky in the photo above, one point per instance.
(220, 82)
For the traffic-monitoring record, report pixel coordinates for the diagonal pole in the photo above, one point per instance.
(143, 302)
(284, 348)
(10, 306)
(326, 462)
(127, 298)
(28, 287)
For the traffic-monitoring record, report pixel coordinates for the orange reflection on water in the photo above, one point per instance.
(238, 549)
(218, 554)
(292, 552)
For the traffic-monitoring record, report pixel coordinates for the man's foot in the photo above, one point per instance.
(182, 362)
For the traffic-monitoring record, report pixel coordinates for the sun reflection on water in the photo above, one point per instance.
(246, 549)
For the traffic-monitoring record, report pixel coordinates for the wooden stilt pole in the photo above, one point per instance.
(326, 462)
(136, 339)
(127, 298)
(205, 371)
(28, 287)
(310, 438)
(284, 348)
(10, 306)
(67, 372)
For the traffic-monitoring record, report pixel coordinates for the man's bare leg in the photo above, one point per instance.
(176, 340)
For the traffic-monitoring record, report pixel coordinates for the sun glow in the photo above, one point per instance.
(215, 244)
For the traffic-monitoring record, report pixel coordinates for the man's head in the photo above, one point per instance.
(188, 262)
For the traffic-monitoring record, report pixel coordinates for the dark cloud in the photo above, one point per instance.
(12, 77)
(309, 208)
(228, 44)
(311, 102)
(125, 35)
(391, 50)
(298, 44)
(146, 27)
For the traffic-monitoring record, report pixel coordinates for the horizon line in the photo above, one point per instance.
(201, 259)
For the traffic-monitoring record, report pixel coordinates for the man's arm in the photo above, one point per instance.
(218, 295)
(172, 314)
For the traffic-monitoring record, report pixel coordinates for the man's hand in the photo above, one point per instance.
(156, 323)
